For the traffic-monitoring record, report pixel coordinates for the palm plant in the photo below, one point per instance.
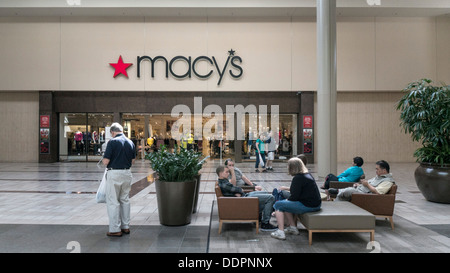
(425, 115)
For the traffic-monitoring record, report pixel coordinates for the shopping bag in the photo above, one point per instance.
(261, 162)
(100, 197)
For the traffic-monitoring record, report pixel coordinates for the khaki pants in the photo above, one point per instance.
(118, 185)
(345, 194)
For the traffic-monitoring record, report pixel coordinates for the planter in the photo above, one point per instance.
(433, 181)
(197, 189)
(175, 202)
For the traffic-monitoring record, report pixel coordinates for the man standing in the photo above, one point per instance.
(118, 158)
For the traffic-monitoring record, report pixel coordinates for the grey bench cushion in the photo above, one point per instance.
(338, 216)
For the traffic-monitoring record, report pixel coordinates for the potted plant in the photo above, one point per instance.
(425, 115)
(176, 183)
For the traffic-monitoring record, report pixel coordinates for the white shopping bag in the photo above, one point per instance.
(100, 197)
(261, 162)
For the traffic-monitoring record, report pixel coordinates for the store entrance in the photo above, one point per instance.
(279, 138)
(151, 131)
(82, 135)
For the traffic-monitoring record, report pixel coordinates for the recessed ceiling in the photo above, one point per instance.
(221, 8)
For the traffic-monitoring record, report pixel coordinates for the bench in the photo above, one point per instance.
(338, 217)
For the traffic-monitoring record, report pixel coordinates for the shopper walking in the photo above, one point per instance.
(260, 154)
(119, 156)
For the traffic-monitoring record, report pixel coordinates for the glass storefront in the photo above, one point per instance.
(153, 130)
(81, 135)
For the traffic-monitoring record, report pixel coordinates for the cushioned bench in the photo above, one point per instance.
(338, 217)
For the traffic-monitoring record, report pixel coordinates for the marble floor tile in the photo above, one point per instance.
(57, 201)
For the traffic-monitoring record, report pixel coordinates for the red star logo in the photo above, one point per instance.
(121, 67)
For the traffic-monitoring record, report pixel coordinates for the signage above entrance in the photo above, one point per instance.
(232, 62)
(120, 67)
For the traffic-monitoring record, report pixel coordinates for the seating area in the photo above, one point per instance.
(355, 216)
(358, 216)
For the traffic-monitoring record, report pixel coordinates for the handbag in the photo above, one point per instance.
(100, 197)
(278, 195)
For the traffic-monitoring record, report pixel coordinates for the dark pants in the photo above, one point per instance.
(330, 177)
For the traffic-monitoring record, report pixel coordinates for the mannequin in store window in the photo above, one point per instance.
(87, 137)
(95, 140)
(102, 136)
(250, 144)
(78, 141)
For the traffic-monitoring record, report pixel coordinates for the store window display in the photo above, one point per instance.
(82, 136)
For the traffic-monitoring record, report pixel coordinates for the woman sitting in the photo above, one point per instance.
(304, 197)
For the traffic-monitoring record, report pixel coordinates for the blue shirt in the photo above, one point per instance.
(352, 174)
(120, 151)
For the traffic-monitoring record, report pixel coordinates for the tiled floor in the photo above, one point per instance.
(50, 207)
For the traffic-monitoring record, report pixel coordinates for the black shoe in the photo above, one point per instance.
(333, 191)
(114, 234)
(268, 227)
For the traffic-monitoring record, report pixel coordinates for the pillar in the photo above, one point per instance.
(326, 91)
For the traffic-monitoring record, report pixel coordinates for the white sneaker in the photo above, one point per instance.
(291, 230)
(279, 234)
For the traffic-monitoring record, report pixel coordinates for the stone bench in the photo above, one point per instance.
(338, 217)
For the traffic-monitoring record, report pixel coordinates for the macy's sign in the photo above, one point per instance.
(232, 63)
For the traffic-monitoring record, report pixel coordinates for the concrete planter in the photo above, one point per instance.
(197, 189)
(433, 181)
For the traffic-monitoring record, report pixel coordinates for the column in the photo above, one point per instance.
(326, 92)
(237, 143)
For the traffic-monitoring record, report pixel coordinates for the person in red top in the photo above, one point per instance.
(78, 141)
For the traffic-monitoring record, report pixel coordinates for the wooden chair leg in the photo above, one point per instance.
(220, 226)
(257, 226)
(310, 237)
(391, 219)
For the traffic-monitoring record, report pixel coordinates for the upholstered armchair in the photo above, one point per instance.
(237, 209)
(380, 205)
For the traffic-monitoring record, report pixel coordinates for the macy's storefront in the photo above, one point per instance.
(74, 124)
(136, 70)
(79, 122)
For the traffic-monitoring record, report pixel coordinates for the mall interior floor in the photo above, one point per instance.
(50, 208)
